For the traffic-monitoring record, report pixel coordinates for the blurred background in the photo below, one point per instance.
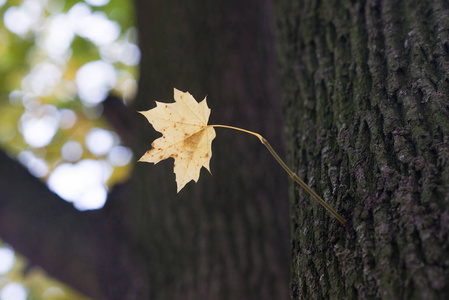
(59, 59)
(74, 203)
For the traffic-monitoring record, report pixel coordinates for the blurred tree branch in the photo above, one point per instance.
(83, 248)
(120, 116)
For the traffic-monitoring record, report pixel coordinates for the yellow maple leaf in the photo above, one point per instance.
(186, 136)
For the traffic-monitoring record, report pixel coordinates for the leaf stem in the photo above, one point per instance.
(290, 172)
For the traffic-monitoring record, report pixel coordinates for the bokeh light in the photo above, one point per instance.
(58, 36)
(100, 141)
(13, 291)
(67, 119)
(58, 61)
(6, 259)
(83, 183)
(39, 125)
(97, 28)
(97, 2)
(94, 81)
(42, 79)
(72, 151)
(21, 19)
(120, 156)
(36, 166)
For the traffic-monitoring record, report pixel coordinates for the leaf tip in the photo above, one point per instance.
(180, 187)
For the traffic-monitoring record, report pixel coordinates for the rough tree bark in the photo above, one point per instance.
(225, 237)
(365, 86)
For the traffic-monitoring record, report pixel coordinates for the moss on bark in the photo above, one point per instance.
(365, 91)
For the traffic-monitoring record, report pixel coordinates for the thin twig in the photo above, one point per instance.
(290, 172)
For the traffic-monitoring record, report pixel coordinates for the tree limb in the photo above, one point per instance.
(120, 116)
(80, 248)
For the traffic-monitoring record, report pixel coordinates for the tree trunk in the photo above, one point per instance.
(365, 85)
(226, 237)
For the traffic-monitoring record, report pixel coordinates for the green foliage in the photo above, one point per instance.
(28, 93)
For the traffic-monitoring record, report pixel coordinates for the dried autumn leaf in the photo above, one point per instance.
(186, 136)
